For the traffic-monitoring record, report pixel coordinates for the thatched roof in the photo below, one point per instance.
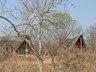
(76, 40)
(15, 42)
(10, 43)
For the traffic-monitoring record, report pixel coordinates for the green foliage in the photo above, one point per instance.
(62, 21)
(58, 19)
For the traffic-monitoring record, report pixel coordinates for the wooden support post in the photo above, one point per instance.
(26, 49)
(81, 46)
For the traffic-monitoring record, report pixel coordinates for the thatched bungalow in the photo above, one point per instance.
(19, 46)
(77, 42)
(15, 45)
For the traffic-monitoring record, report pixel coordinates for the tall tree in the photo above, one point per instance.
(91, 37)
(63, 27)
(30, 14)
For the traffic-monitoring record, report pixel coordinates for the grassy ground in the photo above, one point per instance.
(67, 62)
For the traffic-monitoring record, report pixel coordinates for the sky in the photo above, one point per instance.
(84, 11)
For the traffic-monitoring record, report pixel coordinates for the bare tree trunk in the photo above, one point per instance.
(40, 64)
(39, 38)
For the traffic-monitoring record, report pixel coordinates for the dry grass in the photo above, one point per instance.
(67, 62)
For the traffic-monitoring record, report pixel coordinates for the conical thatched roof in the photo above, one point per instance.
(76, 42)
